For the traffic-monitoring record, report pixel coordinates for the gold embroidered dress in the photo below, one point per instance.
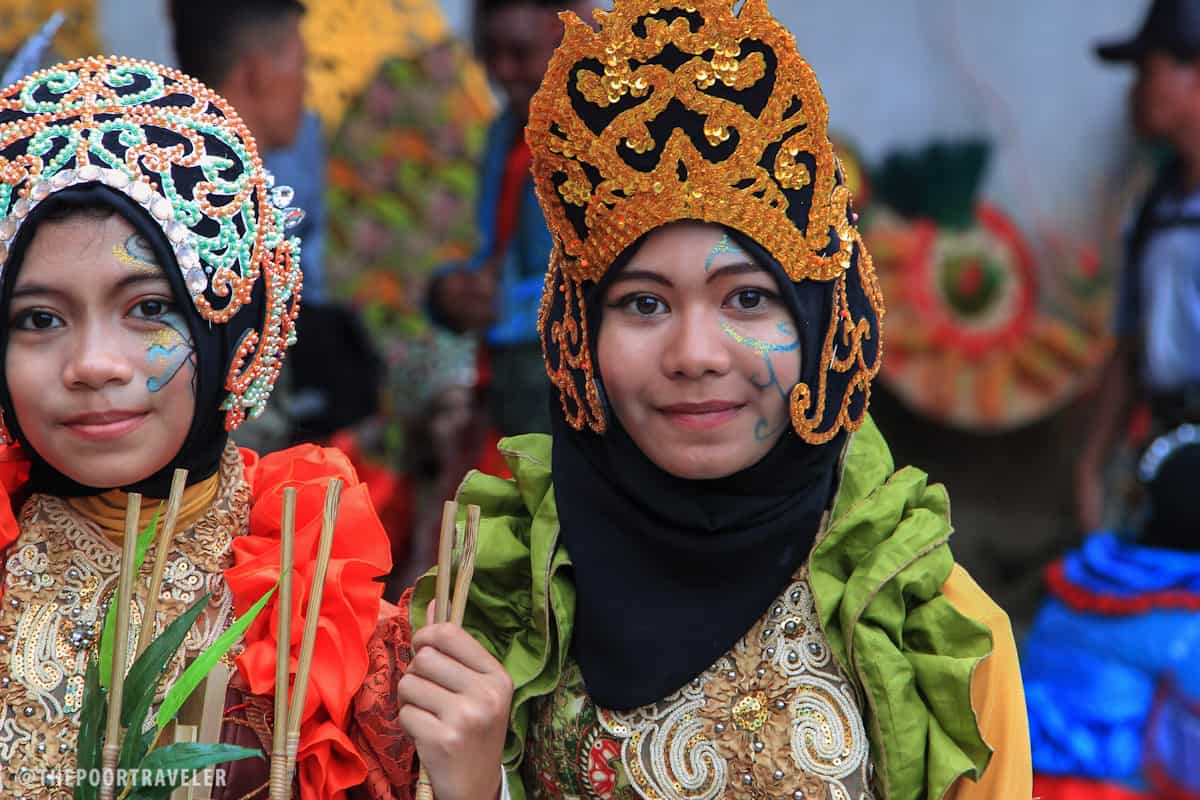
(774, 718)
(59, 577)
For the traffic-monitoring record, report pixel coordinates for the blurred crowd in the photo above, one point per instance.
(424, 259)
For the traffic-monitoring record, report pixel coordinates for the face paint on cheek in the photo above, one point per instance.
(136, 252)
(726, 245)
(791, 342)
(167, 350)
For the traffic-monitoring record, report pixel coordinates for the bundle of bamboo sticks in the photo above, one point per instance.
(287, 716)
(445, 609)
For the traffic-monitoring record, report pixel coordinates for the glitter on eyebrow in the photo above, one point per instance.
(726, 245)
(122, 254)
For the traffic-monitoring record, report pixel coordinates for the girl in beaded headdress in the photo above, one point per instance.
(711, 581)
(149, 294)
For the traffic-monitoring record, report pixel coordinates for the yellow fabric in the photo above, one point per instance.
(108, 510)
(998, 698)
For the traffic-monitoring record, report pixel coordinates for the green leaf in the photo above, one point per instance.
(90, 742)
(198, 670)
(110, 616)
(142, 681)
(171, 765)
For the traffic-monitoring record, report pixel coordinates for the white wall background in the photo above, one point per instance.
(898, 72)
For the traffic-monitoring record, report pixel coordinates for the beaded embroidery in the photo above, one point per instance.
(680, 109)
(59, 577)
(181, 152)
(774, 717)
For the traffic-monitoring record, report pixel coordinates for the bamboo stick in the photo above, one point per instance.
(445, 565)
(441, 608)
(166, 534)
(312, 615)
(280, 779)
(466, 566)
(112, 736)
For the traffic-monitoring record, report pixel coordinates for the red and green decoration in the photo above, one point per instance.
(970, 342)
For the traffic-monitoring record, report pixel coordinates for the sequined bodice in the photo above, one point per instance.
(59, 577)
(774, 718)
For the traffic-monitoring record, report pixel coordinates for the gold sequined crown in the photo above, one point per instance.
(682, 109)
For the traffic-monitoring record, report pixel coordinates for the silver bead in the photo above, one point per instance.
(778, 774)
(5, 681)
(795, 596)
(282, 196)
(780, 705)
(747, 780)
(196, 281)
(731, 675)
(758, 747)
(793, 657)
(292, 217)
(797, 795)
(760, 672)
(27, 711)
(790, 627)
(719, 727)
(770, 652)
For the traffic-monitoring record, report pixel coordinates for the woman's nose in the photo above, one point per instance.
(97, 361)
(696, 347)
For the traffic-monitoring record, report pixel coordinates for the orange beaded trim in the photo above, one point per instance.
(133, 126)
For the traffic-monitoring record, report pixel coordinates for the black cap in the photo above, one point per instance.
(1172, 27)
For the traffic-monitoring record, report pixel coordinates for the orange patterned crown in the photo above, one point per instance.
(682, 109)
(181, 152)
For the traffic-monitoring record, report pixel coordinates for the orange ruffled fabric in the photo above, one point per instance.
(14, 472)
(328, 763)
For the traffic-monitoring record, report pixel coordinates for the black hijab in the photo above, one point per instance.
(214, 347)
(671, 573)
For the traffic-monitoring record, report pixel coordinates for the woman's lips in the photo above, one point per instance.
(702, 416)
(105, 425)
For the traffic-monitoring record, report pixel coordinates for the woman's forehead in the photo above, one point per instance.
(691, 245)
(87, 250)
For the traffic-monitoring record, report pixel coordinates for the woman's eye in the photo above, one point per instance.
(151, 309)
(36, 320)
(749, 299)
(644, 305)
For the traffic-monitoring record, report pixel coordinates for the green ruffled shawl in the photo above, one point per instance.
(876, 575)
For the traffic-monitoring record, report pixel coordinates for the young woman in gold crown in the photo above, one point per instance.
(711, 581)
(149, 293)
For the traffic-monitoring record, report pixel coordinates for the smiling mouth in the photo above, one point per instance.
(105, 425)
(701, 416)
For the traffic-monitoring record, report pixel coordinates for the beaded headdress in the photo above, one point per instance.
(682, 109)
(181, 152)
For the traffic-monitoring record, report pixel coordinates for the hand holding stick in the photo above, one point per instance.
(444, 611)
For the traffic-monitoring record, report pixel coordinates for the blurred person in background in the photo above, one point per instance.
(253, 54)
(1157, 321)
(1112, 663)
(498, 291)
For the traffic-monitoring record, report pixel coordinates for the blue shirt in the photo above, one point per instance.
(1158, 300)
(523, 265)
(302, 167)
